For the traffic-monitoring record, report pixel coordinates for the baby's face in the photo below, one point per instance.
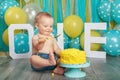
(45, 25)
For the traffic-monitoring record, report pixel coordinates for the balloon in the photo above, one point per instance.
(117, 27)
(5, 4)
(21, 43)
(18, 31)
(112, 46)
(73, 26)
(116, 11)
(31, 10)
(104, 10)
(74, 43)
(3, 27)
(66, 41)
(15, 15)
(94, 46)
(5, 36)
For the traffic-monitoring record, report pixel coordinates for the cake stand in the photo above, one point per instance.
(74, 71)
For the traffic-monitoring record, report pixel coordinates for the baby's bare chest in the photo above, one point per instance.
(48, 44)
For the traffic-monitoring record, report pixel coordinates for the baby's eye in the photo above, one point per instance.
(50, 26)
(45, 26)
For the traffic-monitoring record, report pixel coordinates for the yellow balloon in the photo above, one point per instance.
(18, 31)
(5, 35)
(15, 15)
(94, 46)
(73, 26)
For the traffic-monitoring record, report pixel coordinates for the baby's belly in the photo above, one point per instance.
(46, 50)
(47, 47)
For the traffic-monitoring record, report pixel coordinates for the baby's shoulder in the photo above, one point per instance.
(52, 37)
(35, 37)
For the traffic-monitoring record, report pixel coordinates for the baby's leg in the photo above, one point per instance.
(59, 70)
(39, 62)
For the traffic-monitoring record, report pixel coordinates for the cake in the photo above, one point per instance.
(72, 56)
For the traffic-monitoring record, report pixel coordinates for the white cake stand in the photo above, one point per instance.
(74, 71)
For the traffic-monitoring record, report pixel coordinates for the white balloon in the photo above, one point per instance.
(31, 9)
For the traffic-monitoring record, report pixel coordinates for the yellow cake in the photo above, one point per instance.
(72, 56)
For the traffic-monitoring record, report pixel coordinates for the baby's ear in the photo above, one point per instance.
(36, 25)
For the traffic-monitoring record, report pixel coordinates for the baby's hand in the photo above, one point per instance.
(41, 38)
(48, 38)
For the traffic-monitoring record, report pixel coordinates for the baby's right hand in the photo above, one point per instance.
(41, 38)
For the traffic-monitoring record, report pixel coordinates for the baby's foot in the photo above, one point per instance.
(58, 70)
(52, 58)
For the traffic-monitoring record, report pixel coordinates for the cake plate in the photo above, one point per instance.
(74, 71)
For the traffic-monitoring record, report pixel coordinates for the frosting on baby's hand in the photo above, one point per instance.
(48, 38)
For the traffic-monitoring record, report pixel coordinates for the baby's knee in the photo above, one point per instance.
(32, 58)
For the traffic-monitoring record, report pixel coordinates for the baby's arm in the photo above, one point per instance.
(58, 70)
(56, 48)
(37, 39)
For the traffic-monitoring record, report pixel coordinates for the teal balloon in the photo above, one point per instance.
(5, 4)
(66, 41)
(104, 10)
(21, 43)
(75, 43)
(112, 46)
(3, 27)
(116, 11)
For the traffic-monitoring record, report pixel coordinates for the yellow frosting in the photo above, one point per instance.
(48, 38)
(72, 56)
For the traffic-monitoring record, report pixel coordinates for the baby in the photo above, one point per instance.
(44, 45)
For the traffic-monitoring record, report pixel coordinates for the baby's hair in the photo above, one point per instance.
(40, 14)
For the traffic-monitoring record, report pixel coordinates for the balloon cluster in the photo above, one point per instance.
(5, 5)
(74, 35)
(104, 10)
(108, 10)
(12, 13)
(73, 26)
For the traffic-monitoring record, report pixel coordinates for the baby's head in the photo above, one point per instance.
(44, 23)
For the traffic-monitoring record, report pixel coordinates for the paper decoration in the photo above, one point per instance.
(88, 39)
(11, 30)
